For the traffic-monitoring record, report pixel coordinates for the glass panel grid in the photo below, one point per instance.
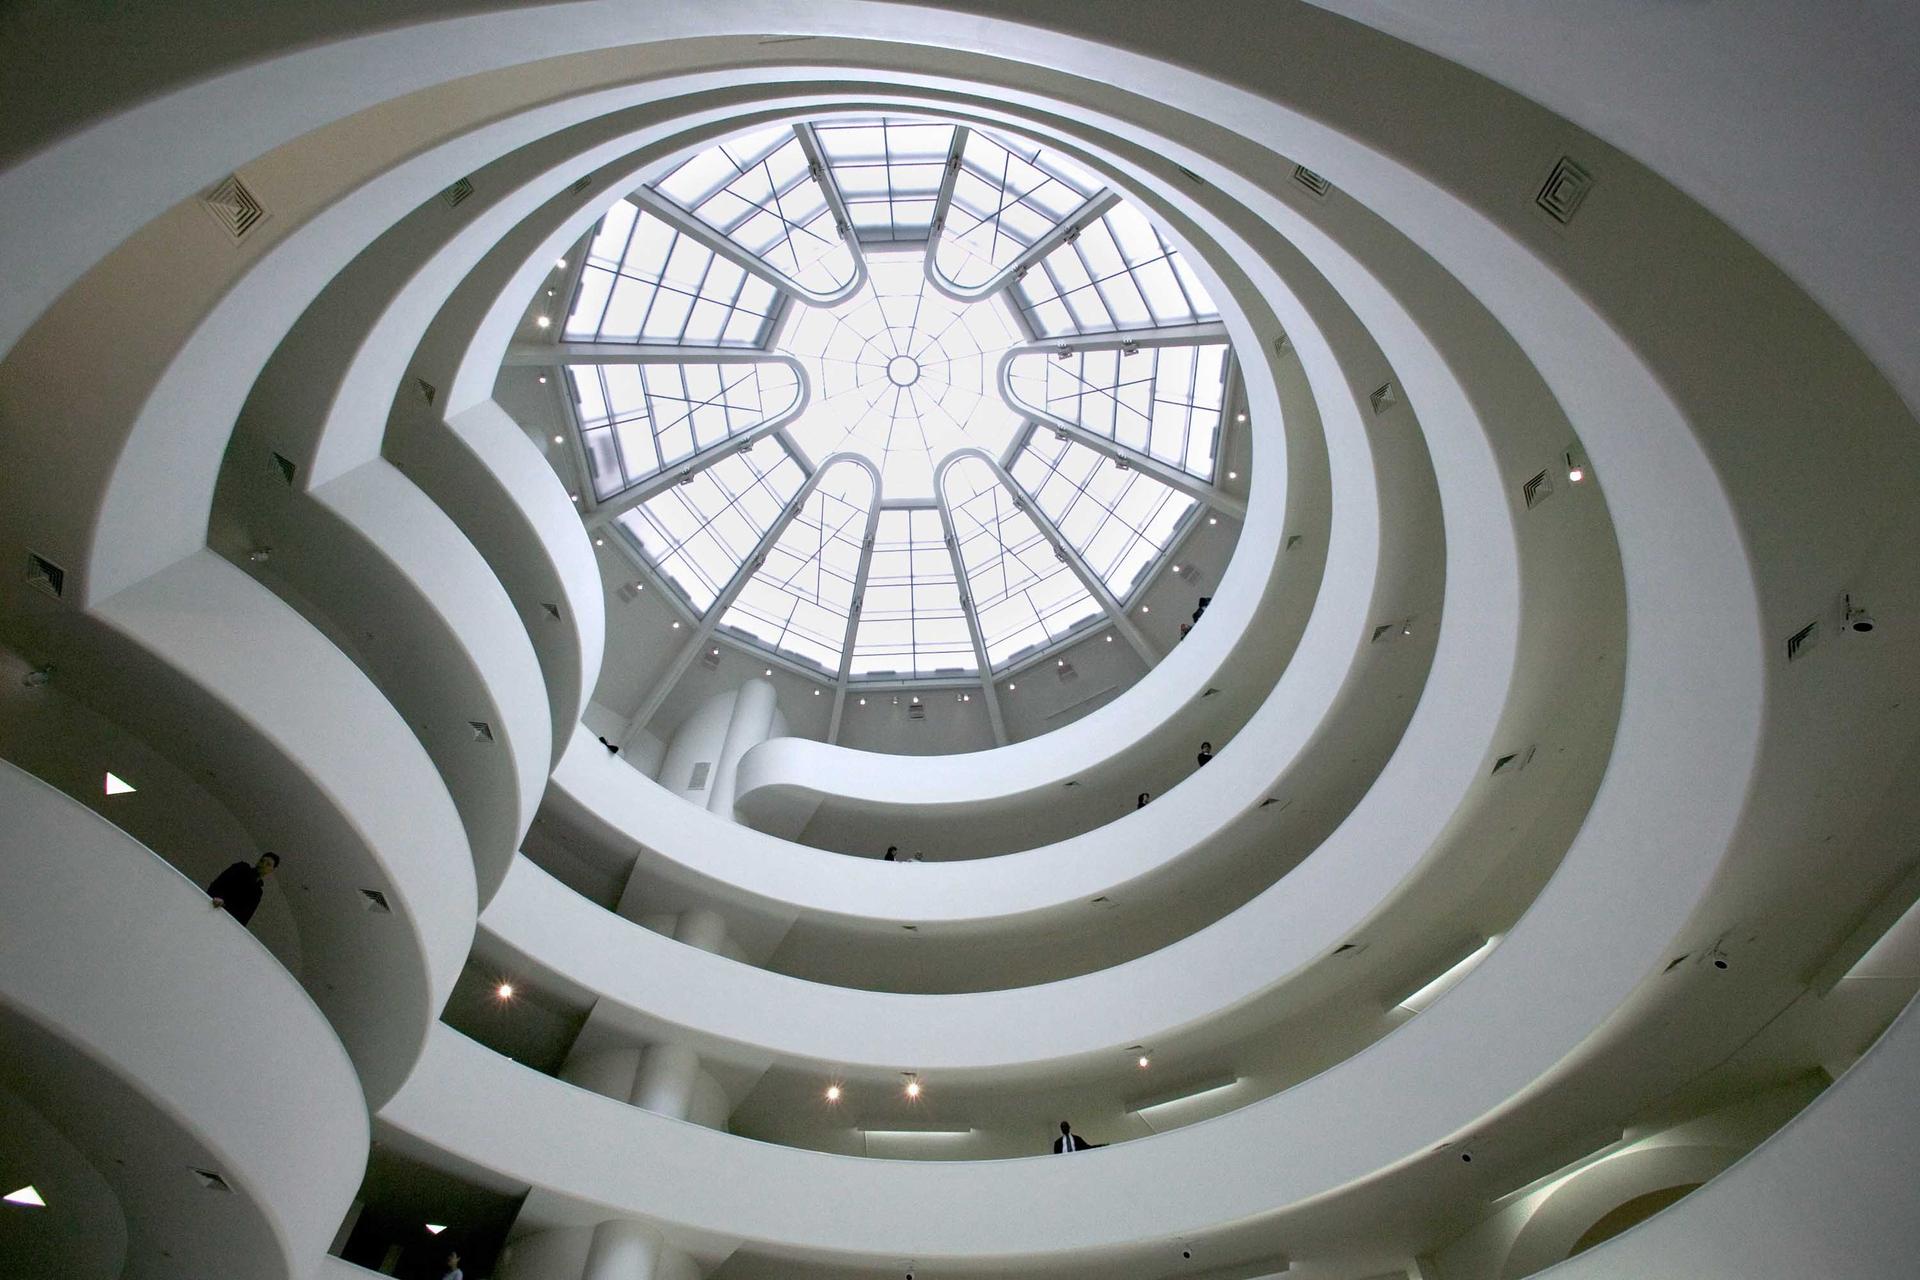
(1025, 596)
(1163, 402)
(636, 420)
(1007, 195)
(759, 192)
(888, 172)
(699, 534)
(910, 619)
(799, 601)
(1120, 272)
(645, 281)
(1120, 521)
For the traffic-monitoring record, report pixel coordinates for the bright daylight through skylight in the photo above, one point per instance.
(892, 398)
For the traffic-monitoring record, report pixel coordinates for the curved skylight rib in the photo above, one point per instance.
(1164, 402)
(1120, 521)
(1006, 196)
(888, 172)
(646, 281)
(903, 375)
(1025, 596)
(798, 602)
(636, 420)
(698, 534)
(1118, 273)
(911, 623)
(758, 190)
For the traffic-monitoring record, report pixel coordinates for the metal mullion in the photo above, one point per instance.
(844, 677)
(687, 224)
(1095, 585)
(969, 610)
(943, 199)
(836, 200)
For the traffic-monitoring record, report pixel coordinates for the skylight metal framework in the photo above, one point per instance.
(887, 171)
(801, 601)
(645, 280)
(1164, 402)
(766, 193)
(1119, 522)
(638, 419)
(1024, 592)
(911, 621)
(1116, 272)
(1006, 203)
(910, 554)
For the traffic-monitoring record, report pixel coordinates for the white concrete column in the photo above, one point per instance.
(622, 1250)
(608, 1072)
(702, 928)
(754, 708)
(667, 1081)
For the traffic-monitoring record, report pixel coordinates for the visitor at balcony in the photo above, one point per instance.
(1206, 752)
(1141, 803)
(1069, 1142)
(1201, 607)
(611, 749)
(453, 1268)
(237, 890)
(893, 853)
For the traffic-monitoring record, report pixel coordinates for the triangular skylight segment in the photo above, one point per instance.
(911, 623)
(888, 172)
(699, 534)
(1121, 522)
(119, 786)
(1120, 272)
(1006, 195)
(646, 281)
(1164, 402)
(637, 420)
(1025, 595)
(798, 602)
(758, 191)
(28, 1196)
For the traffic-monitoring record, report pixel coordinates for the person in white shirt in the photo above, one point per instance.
(453, 1268)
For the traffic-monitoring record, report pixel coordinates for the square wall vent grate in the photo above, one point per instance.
(697, 781)
(236, 209)
(1311, 181)
(46, 575)
(457, 193)
(1537, 490)
(1802, 640)
(1564, 191)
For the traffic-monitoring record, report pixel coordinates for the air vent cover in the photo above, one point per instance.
(1513, 763)
(916, 711)
(46, 575)
(1188, 572)
(482, 731)
(1537, 490)
(579, 185)
(236, 209)
(1311, 180)
(1564, 191)
(1385, 397)
(285, 466)
(427, 390)
(376, 901)
(1065, 671)
(698, 780)
(1802, 640)
(457, 193)
(710, 659)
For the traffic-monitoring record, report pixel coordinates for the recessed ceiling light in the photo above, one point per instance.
(557, 439)
(1144, 1061)
(599, 542)
(1240, 417)
(676, 625)
(1233, 475)
(1012, 687)
(768, 671)
(543, 378)
(435, 1228)
(816, 693)
(542, 321)
(863, 702)
(1576, 474)
(833, 1093)
(1146, 608)
(716, 653)
(119, 786)
(1213, 520)
(27, 1196)
(504, 991)
(573, 497)
(1109, 638)
(913, 1087)
(559, 264)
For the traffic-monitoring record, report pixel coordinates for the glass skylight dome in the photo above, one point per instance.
(892, 398)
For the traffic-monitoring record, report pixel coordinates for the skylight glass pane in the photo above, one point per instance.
(645, 281)
(699, 534)
(1119, 273)
(798, 602)
(638, 419)
(888, 172)
(910, 618)
(1121, 522)
(757, 191)
(1025, 596)
(1007, 195)
(1164, 402)
(946, 396)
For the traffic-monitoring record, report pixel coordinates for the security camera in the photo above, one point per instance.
(1186, 1253)
(1858, 619)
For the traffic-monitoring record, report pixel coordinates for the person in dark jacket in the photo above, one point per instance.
(1206, 752)
(1069, 1142)
(237, 889)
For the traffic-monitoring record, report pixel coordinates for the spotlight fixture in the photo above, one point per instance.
(1213, 520)
(504, 991)
(1109, 637)
(639, 586)
(557, 439)
(863, 702)
(1012, 687)
(913, 1086)
(1233, 475)
(599, 542)
(573, 497)
(543, 379)
(767, 672)
(816, 693)
(559, 264)
(1144, 1061)
(1576, 464)
(1858, 619)
(1240, 417)
(1146, 608)
(833, 1093)
(542, 321)
(715, 652)
(676, 624)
